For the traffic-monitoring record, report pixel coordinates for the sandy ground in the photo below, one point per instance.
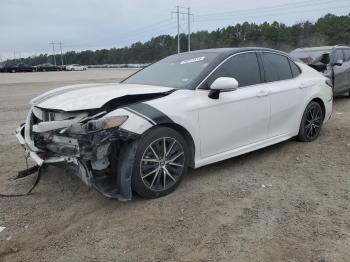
(219, 213)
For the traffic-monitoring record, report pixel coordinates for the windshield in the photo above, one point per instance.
(178, 71)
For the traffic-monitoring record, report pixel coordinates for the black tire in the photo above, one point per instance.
(311, 123)
(152, 179)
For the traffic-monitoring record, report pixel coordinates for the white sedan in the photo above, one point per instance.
(187, 110)
(75, 67)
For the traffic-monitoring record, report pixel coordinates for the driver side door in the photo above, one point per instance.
(237, 118)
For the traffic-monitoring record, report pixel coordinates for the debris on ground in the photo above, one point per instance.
(2, 228)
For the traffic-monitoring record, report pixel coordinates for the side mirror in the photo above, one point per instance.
(339, 62)
(222, 84)
(325, 59)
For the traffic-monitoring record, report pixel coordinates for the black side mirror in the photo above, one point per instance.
(325, 59)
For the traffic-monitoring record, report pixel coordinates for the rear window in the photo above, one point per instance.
(276, 67)
(347, 55)
(295, 69)
(338, 55)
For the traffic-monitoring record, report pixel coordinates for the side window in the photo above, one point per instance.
(295, 69)
(244, 68)
(276, 67)
(338, 55)
(347, 55)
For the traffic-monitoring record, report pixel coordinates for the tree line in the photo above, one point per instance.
(327, 30)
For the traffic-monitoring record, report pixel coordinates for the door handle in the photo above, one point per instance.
(262, 93)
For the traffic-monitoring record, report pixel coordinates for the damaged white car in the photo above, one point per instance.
(187, 110)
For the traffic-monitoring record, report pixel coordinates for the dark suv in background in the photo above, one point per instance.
(21, 67)
(332, 61)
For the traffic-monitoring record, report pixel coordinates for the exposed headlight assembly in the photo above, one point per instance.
(104, 123)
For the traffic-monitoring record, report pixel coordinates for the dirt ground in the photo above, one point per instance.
(288, 202)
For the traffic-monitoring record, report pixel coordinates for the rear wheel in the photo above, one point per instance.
(311, 123)
(161, 162)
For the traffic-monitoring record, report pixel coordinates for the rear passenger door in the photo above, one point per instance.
(286, 89)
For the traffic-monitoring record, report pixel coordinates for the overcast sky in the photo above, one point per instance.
(27, 26)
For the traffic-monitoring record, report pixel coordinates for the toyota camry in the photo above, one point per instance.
(185, 111)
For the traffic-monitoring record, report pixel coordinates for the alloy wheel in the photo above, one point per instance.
(313, 122)
(162, 164)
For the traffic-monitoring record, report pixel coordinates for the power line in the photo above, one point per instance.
(272, 13)
(270, 8)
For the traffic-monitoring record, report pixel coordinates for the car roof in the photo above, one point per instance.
(223, 53)
(231, 51)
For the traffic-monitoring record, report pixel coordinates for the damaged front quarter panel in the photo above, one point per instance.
(82, 127)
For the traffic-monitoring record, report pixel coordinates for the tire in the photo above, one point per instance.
(159, 176)
(311, 123)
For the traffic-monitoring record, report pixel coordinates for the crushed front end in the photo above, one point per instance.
(87, 143)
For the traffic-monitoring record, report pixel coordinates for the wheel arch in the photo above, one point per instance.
(186, 135)
(321, 103)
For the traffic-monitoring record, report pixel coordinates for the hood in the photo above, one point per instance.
(94, 96)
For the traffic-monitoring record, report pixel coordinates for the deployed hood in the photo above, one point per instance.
(94, 96)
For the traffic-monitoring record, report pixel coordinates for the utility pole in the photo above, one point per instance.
(60, 43)
(178, 13)
(53, 49)
(189, 29)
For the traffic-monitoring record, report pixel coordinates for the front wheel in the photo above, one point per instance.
(161, 161)
(311, 123)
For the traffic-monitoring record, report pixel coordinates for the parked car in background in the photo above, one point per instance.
(47, 67)
(75, 67)
(187, 110)
(21, 67)
(332, 61)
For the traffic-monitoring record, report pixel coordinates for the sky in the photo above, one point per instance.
(27, 26)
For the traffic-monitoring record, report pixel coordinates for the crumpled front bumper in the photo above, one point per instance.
(35, 155)
(115, 186)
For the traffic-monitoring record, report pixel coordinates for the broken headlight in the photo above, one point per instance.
(104, 123)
